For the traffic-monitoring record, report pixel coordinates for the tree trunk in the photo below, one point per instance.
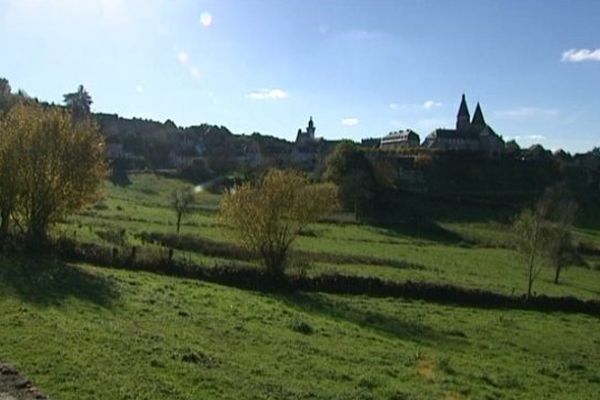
(557, 274)
(178, 222)
(274, 261)
(37, 238)
(5, 215)
(530, 277)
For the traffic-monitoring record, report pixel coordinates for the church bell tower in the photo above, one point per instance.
(311, 129)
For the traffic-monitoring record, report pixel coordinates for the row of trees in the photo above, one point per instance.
(51, 164)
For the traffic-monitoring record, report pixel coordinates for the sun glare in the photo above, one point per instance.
(206, 19)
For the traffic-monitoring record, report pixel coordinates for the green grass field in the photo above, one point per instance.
(95, 333)
(466, 254)
(83, 332)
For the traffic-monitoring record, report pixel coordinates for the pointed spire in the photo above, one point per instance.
(463, 118)
(463, 110)
(478, 119)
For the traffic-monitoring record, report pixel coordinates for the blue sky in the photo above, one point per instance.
(360, 68)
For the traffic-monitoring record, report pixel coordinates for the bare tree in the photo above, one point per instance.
(181, 200)
(560, 249)
(543, 236)
(530, 241)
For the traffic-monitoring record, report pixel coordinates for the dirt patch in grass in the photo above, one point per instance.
(14, 386)
(426, 369)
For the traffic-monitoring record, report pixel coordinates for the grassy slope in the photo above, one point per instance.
(467, 254)
(106, 334)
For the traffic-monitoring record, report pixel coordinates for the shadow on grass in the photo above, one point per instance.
(395, 326)
(425, 229)
(47, 282)
(119, 177)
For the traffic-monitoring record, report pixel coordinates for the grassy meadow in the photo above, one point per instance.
(470, 254)
(92, 333)
(84, 332)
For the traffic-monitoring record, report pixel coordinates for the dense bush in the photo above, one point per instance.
(266, 216)
(50, 166)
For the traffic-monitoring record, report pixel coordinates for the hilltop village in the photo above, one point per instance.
(449, 161)
(206, 151)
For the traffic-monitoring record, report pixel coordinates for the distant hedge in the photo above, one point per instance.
(252, 278)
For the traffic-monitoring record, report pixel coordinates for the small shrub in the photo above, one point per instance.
(301, 327)
(192, 356)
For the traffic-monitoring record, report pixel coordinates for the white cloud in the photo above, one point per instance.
(139, 88)
(206, 19)
(350, 121)
(535, 137)
(579, 55)
(267, 94)
(527, 140)
(429, 104)
(526, 137)
(183, 57)
(394, 106)
(527, 112)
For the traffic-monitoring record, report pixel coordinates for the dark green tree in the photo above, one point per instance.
(5, 89)
(349, 168)
(78, 103)
(5, 94)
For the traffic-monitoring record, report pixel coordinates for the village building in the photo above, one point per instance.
(400, 140)
(512, 147)
(589, 160)
(469, 135)
(536, 153)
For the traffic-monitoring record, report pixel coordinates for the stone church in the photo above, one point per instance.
(307, 146)
(470, 134)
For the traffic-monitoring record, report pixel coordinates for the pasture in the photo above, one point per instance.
(81, 331)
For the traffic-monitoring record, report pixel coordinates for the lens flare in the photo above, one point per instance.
(206, 19)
